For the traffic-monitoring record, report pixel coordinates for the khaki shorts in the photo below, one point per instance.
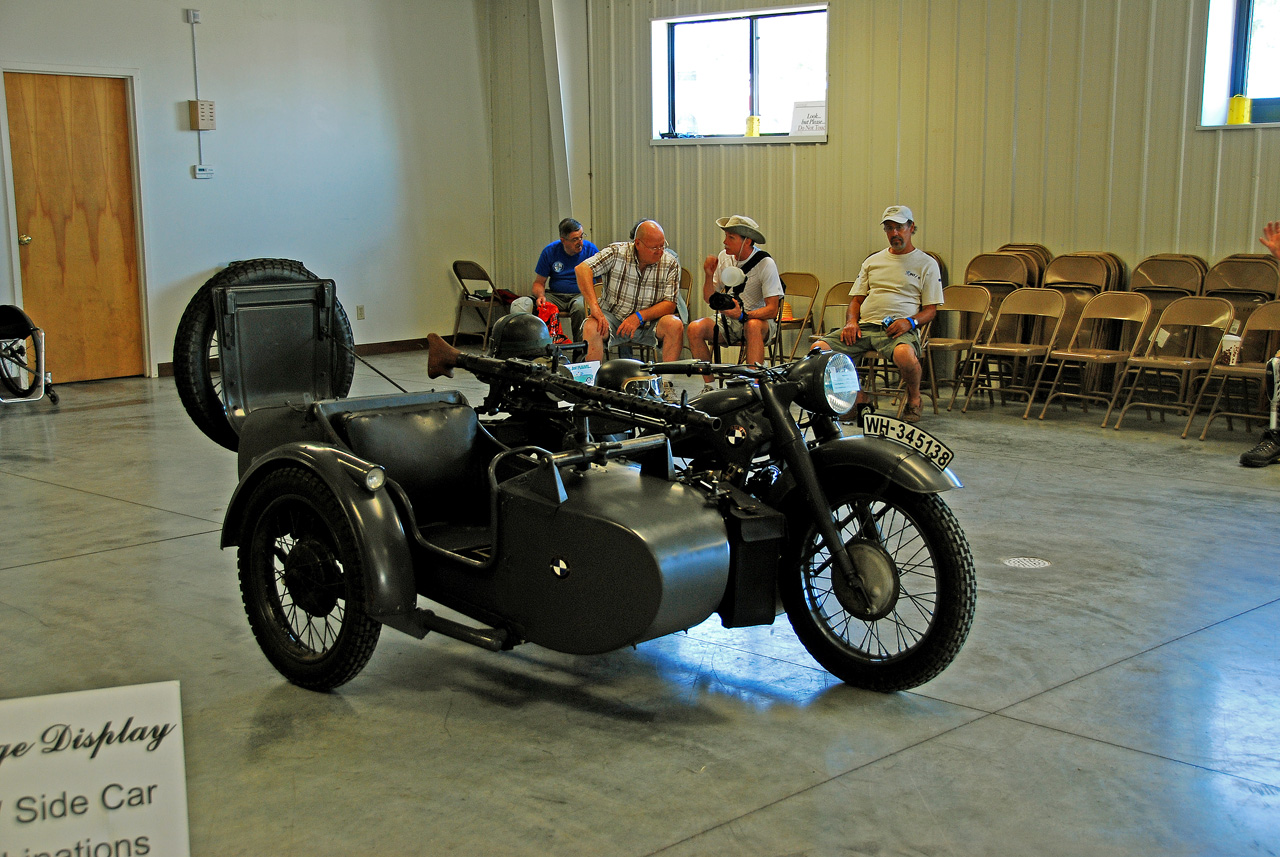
(873, 337)
(734, 331)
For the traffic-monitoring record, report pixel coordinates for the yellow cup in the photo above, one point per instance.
(753, 126)
(1239, 110)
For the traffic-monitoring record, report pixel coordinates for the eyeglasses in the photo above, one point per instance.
(654, 248)
(896, 227)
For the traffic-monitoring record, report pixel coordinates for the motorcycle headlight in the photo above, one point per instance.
(828, 383)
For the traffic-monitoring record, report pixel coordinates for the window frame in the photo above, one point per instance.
(1263, 110)
(664, 29)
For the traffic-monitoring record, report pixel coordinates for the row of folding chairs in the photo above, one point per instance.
(1247, 280)
(1119, 354)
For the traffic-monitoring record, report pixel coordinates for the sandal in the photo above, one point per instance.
(911, 414)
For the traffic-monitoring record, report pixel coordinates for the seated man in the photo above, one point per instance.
(752, 317)
(637, 304)
(554, 281)
(898, 289)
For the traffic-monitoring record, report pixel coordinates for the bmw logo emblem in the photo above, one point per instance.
(559, 567)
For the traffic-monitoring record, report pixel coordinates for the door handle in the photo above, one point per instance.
(24, 240)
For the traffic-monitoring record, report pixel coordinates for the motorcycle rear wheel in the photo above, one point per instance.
(302, 582)
(923, 631)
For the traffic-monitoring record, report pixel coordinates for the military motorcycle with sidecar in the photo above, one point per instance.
(536, 526)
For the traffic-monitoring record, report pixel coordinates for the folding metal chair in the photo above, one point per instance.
(971, 303)
(1095, 343)
(1036, 316)
(1259, 340)
(799, 286)
(1198, 315)
(483, 303)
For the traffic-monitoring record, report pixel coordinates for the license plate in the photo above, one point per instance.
(905, 433)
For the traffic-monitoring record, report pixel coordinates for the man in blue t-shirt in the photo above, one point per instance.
(555, 281)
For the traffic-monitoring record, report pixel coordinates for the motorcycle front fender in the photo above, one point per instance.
(380, 538)
(881, 460)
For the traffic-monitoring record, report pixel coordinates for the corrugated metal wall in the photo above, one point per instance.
(1069, 123)
(525, 205)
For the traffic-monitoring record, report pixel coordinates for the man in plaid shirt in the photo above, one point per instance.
(640, 280)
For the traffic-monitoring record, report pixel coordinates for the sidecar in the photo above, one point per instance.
(350, 513)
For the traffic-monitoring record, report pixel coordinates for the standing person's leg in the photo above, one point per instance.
(1268, 449)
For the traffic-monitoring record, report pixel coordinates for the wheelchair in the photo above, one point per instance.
(22, 373)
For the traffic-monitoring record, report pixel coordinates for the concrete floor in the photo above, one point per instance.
(1121, 700)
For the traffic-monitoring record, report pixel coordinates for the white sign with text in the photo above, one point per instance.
(809, 119)
(95, 773)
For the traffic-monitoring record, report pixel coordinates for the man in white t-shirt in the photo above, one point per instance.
(897, 291)
(751, 294)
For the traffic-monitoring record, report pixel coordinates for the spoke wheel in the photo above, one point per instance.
(196, 367)
(16, 370)
(907, 616)
(303, 584)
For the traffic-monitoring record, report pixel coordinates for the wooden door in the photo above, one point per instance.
(73, 186)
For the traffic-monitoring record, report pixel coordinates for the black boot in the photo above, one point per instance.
(1266, 452)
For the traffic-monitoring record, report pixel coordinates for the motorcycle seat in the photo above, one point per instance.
(430, 450)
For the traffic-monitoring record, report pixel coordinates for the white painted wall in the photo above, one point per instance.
(352, 135)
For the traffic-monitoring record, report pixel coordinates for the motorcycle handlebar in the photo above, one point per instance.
(443, 358)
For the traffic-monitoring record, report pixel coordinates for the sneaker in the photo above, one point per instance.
(1266, 452)
(707, 388)
(911, 414)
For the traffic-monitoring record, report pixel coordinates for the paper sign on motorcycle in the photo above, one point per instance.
(905, 433)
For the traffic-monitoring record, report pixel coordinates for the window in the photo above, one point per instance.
(1255, 61)
(1242, 57)
(710, 73)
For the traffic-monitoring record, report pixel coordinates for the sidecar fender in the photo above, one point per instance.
(881, 460)
(380, 538)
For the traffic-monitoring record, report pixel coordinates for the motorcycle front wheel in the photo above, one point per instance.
(302, 582)
(920, 557)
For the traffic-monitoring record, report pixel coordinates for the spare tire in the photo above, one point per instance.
(195, 346)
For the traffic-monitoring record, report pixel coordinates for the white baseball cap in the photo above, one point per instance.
(898, 214)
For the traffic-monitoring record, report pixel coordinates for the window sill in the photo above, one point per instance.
(798, 139)
(1245, 126)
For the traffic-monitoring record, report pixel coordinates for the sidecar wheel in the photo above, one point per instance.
(925, 570)
(302, 582)
(195, 345)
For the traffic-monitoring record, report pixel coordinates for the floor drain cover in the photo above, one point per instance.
(1026, 562)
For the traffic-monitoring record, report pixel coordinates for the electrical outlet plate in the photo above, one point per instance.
(202, 171)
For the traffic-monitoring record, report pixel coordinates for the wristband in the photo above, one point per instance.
(912, 319)
(640, 318)
(743, 316)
